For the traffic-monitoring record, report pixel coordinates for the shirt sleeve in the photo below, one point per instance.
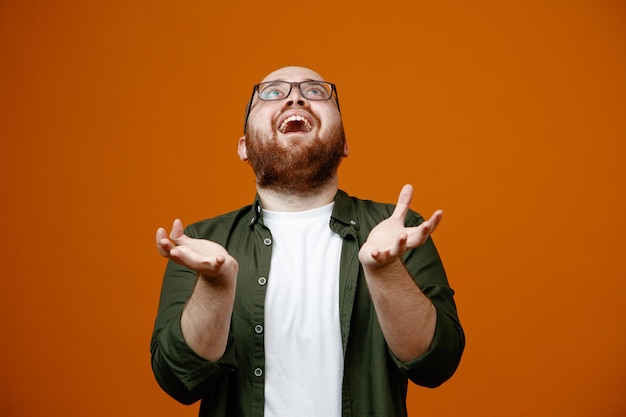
(180, 371)
(441, 361)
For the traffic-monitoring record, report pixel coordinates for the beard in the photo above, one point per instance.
(296, 168)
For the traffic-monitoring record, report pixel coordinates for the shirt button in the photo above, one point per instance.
(262, 281)
(258, 328)
(267, 241)
(258, 372)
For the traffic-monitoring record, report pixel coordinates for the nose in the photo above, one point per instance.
(295, 96)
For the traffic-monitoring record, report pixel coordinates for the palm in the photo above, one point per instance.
(390, 239)
(205, 257)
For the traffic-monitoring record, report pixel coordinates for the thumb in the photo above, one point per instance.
(404, 202)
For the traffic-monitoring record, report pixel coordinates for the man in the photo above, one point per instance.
(308, 302)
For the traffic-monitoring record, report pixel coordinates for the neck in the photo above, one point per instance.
(286, 201)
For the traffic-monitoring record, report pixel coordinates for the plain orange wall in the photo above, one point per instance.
(118, 116)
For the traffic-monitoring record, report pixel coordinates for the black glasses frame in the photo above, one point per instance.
(255, 90)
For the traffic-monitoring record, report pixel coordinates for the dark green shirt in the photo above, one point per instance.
(374, 381)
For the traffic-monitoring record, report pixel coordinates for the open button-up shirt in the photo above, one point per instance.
(374, 382)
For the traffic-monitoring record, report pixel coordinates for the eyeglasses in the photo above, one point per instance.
(279, 90)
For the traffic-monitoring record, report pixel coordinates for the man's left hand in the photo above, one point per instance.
(390, 239)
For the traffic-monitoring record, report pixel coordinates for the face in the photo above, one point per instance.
(294, 144)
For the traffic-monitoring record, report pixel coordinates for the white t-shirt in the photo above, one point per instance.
(303, 351)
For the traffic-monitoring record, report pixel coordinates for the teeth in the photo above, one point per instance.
(284, 124)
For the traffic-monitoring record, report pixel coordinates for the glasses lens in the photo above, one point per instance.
(274, 90)
(316, 90)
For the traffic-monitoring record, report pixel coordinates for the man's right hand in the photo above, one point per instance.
(205, 321)
(205, 257)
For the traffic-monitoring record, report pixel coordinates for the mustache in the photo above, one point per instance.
(300, 169)
(289, 107)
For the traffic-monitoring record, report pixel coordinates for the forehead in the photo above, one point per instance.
(293, 74)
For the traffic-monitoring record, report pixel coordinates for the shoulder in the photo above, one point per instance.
(221, 225)
(368, 213)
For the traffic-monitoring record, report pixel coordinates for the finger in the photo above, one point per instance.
(402, 243)
(161, 242)
(396, 249)
(219, 260)
(404, 202)
(421, 232)
(165, 247)
(382, 257)
(192, 260)
(375, 254)
(160, 234)
(400, 246)
(431, 224)
(177, 233)
(435, 219)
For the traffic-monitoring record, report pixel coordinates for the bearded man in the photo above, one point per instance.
(309, 302)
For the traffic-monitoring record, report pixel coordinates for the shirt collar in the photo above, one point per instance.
(344, 220)
(256, 214)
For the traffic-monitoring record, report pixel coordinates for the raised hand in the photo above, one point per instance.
(390, 239)
(207, 258)
(205, 320)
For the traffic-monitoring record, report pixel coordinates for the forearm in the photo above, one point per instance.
(205, 320)
(180, 370)
(406, 316)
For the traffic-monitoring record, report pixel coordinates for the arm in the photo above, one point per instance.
(205, 320)
(400, 304)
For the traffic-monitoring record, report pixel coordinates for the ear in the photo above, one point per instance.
(345, 148)
(242, 150)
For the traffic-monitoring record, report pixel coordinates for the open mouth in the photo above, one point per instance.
(297, 124)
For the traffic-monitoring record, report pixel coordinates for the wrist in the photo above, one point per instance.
(220, 278)
(389, 271)
(380, 263)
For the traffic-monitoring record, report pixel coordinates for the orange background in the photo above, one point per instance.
(118, 116)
